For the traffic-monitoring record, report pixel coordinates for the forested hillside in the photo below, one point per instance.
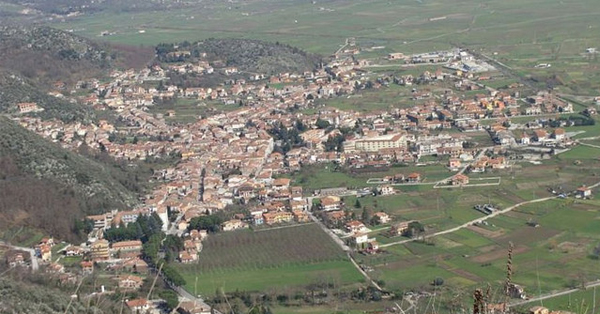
(47, 187)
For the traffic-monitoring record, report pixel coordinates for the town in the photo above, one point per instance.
(237, 164)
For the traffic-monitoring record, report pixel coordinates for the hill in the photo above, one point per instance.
(33, 59)
(48, 55)
(254, 56)
(46, 187)
(15, 89)
(21, 297)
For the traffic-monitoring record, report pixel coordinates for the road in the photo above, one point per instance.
(469, 223)
(344, 247)
(554, 294)
(34, 261)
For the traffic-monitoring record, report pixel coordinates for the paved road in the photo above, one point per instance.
(34, 260)
(554, 294)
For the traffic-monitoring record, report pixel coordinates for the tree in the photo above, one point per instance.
(414, 229)
(357, 204)
(366, 215)
(170, 298)
(322, 124)
(172, 275)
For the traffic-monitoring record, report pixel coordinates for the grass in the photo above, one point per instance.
(255, 261)
(268, 279)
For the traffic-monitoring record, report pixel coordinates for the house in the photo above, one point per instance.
(127, 248)
(372, 247)
(47, 241)
(355, 226)
(414, 177)
(459, 179)
(87, 267)
(130, 282)
(186, 257)
(583, 192)
(301, 216)
(281, 184)
(55, 268)
(135, 265)
(15, 258)
(137, 305)
(329, 203)
(233, 224)
(100, 250)
(27, 107)
(333, 217)
(454, 164)
(399, 228)
(559, 134)
(386, 190)
(539, 310)
(540, 135)
(45, 252)
(300, 205)
(191, 307)
(381, 217)
(73, 251)
(359, 239)
(277, 217)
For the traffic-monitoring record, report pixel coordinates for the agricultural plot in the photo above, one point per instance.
(256, 261)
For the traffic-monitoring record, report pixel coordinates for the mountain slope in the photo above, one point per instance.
(46, 187)
(48, 55)
(15, 89)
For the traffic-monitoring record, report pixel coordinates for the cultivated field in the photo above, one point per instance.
(290, 257)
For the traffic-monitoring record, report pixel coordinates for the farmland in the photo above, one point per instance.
(519, 35)
(257, 261)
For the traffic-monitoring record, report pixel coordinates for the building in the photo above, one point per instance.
(301, 216)
(87, 267)
(583, 192)
(355, 226)
(138, 305)
(26, 107)
(331, 203)
(414, 178)
(130, 282)
(399, 228)
(381, 217)
(539, 310)
(277, 217)
(454, 164)
(359, 239)
(233, 224)
(459, 179)
(100, 251)
(386, 190)
(127, 248)
(374, 144)
(190, 307)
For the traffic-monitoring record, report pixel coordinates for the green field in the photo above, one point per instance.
(292, 257)
(518, 34)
